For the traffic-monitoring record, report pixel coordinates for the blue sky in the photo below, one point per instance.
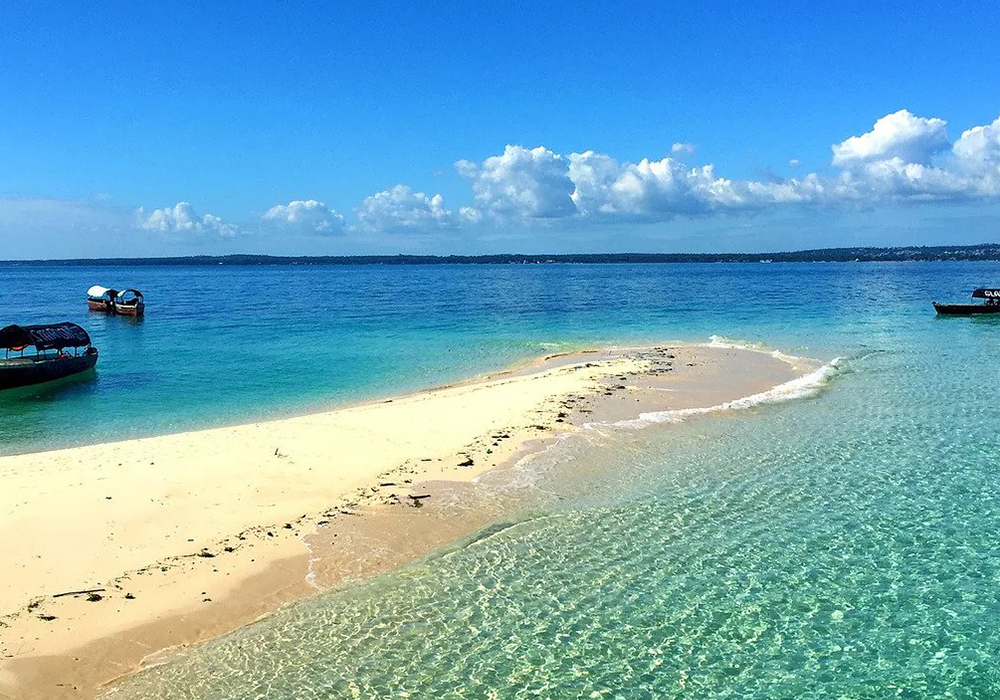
(373, 127)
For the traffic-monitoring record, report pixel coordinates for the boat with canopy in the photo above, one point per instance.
(989, 305)
(130, 303)
(52, 358)
(101, 298)
(125, 303)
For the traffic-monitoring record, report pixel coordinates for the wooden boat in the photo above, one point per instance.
(101, 298)
(130, 303)
(990, 305)
(51, 360)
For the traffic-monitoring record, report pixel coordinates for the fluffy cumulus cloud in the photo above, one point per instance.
(656, 189)
(182, 220)
(977, 155)
(400, 208)
(539, 184)
(903, 158)
(898, 135)
(469, 215)
(308, 216)
(603, 187)
(522, 182)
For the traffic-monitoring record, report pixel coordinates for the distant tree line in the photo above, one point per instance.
(986, 251)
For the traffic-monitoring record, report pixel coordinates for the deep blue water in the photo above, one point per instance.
(843, 545)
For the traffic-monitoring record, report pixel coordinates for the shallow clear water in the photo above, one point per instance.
(843, 545)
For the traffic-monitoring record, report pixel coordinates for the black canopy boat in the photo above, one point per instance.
(990, 305)
(51, 360)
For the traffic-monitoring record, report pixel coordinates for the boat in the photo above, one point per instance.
(130, 303)
(990, 304)
(101, 298)
(51, 359)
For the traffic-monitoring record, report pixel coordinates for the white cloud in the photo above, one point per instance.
(308, 215)
(977, 156)
(181, 220)
(605, 188)
(537, 183)
(470, 215)
(903, 158)
(980, 145)
(522, 183)
(466, 168)
(894, 179)
(400, 208)
(902, 169)
(898, 135)
(591, 176)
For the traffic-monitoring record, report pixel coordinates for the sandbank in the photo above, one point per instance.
(117, 553)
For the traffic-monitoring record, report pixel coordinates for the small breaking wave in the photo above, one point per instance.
(721, 341)
(808, 384)
(527, 470)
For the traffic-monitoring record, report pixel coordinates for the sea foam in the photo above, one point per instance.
(721, 341)
(807, 385)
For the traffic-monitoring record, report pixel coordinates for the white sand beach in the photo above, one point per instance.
(117, 552)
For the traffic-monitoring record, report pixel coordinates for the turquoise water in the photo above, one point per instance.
(842, 545)
(222, 345)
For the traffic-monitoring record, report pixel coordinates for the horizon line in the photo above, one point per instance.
(979, 251)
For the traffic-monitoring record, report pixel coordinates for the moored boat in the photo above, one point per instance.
(101, 298)
(990, 304)
(51, 359)
(130, 303)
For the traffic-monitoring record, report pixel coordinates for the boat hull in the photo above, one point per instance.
(130, 309)
(25, 372)
(965, 309)
(99, 305)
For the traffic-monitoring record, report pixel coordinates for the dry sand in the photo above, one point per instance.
(180, 538)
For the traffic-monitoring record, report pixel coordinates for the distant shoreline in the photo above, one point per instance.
(984, 251)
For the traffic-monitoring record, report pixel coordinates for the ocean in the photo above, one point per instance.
(839, 545)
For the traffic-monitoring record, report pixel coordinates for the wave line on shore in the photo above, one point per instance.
(807, 385)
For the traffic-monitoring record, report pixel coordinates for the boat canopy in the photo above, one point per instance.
(97, 291)
(55, 336)
(986, 294)
(135, 293)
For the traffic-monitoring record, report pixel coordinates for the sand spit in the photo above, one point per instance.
(125, 551)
